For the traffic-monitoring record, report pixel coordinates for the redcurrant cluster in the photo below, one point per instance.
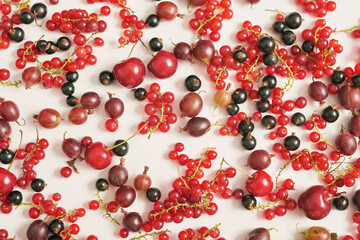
(132, 25)
(208, 20)
(319, 8)
(76, 21)
(159, 110)
(202, 232)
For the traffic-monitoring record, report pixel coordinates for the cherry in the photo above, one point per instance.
(130, 73)
(97, 156)
(315, 203)
(163, 65)
(260, 184)
(7, 181)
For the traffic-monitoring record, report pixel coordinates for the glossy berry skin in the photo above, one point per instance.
(248, 142)
(354, 125)
(102, 184)
(298, 119)
(156, 44)
(204, 51)
(153, 194)
(7, 181)
(121, 150)
(239, 96)
(106, 77)
(118, 175)
(49, 118)
(318, 91)
(37, 230)
(317, 233)
(56, 226)
(78, 115)
(182, 51)
(63, 43)
(260, 184)
(307, 46)
(192, 83)
(346, 143)
(291, 143)
(191, 105)
(6, 156)
(338, 77)
(288, 37)
(268, 122)
(17, 34)
(27, 17)
(259, 159)
(197, 126)
(15, 197)
(97, 156)
(356, 199)
(125, 196)
(130, 73)
(341, 203)
(114, 108)
(166, 10)
(132, 221)
(330, 114)
(9, 111)
(71, 147)
(266, 44)
(90, 100)
(38, 184)
(279, 26)
(314, 202)
(293, 20)
(248, 201)
(39, 10)
(240, 55)
(349, 97)
(163, 65)
(152, 20)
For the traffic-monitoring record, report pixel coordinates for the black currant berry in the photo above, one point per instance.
(156, 44)
(102, 184)
(41, 45)
(239, 96)
(15, 197)
(298, 119)
(17, 34)
(52, 48)
(246, 126)
(270, 80)
(140, 94)
(72, 76)
(308, 46)
(341, 203)
(355, 80)
(192, 83)
(263, 105)
(121, 150)
(270, 59)
(291, 143)
(39, 10)
(153, 194)
(232, 109)
(240, 55)
(27, 17)
(338, 77)
(71, 101)
(152, 20)
(330, 114)
(248, 142)
(268, 122)
(6, 156)
(38, 184)
(249, 201)
(106, 77)
(264, 92)
(279, 26)
(68, 88)
(63, 43)
(56, 226)
(266, 44)
(288, 37)
(293, 20)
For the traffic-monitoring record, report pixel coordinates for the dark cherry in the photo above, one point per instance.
(97, 156)
(314, 203)
(130, 73)
(260, 184)
(7, 181)
(163, 65)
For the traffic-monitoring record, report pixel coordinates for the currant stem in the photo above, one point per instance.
(146, 47)
(103, 204)
(12, 161)
(208, 20)
(153, 234)
(250, 176)
(115, 146)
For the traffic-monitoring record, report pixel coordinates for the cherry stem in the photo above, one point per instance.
(16, 153)
(250, 176)
(146, 47)
(132, 49)
(115, 146)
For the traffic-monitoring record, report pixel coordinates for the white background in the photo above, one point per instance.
(78, 190)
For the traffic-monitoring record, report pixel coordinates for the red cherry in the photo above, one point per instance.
(97, 156)
(260, 184)
(7, 181)
(315, 203)
(163, 65)
(130, 73)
